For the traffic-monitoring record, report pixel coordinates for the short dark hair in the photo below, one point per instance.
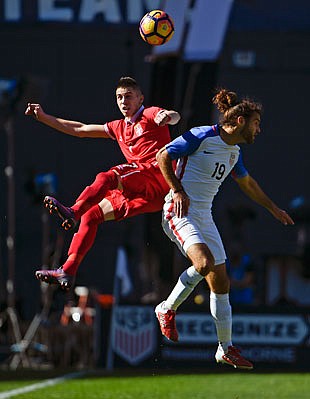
(231, 107)
(128, 82)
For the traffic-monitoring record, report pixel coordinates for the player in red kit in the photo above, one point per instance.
(123, 191)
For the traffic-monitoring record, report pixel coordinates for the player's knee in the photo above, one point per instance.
(101, 176)
(205, 263)
(107, 178)
(202, 258)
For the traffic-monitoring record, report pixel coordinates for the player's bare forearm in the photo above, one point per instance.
(252, 189)
(174, 117)
(180, 198)
(165, 164)
(73, 128)
(165, 117)
(64, 126)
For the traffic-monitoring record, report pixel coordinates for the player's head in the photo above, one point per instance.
(129, 96)
(242, 115)
(128, 82)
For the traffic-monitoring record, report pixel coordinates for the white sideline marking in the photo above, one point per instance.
(39, 385)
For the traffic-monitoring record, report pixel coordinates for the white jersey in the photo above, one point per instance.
(204, 162)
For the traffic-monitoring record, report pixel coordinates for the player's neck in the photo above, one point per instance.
(228, 135)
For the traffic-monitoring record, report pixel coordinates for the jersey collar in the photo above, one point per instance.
(131, 120)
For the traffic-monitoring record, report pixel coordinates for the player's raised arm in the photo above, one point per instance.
(73, 128)
(165, 117)
(252, 189)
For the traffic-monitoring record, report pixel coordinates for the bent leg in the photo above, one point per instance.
(81, 243)
(200, 255)
(217, 279)
(94, 193)
(131, 188)
(201, 258)
(83, 240)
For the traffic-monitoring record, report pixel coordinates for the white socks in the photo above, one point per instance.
(185, 285)
(221, 312)
(219, 304)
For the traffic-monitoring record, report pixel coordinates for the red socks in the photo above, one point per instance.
(83, 240)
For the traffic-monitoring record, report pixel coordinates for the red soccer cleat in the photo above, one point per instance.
(65, 213)
(233, 358)
(56, 276)
(166, 319)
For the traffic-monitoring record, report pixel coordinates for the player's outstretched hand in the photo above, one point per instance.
(34, 110)
(283, 216)
(162, 118)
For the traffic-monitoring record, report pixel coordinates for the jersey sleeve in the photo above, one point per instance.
(184, 145)
(109, 129)
(151, 112)
(239, 169)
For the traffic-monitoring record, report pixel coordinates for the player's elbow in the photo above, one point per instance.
(82, 131)
(79, 134)
(160, 155)
(176, 118)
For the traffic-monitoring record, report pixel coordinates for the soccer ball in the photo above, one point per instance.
(156, 27)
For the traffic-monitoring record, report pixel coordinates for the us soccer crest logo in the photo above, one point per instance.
(232, 159)
(133, 333)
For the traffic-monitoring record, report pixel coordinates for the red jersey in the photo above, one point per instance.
(141, 140)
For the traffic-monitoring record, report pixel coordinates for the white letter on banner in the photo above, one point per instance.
(12, 10)
(109, 8)
(48, 12)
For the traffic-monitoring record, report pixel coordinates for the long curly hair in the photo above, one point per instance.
(231, 107)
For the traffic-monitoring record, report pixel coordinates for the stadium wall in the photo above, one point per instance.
(73, 71)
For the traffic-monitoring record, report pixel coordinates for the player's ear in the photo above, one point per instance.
(240, 120)
(141, 99)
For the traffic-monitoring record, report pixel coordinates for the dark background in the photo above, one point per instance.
(72, 70)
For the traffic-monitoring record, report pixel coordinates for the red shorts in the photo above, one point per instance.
(144, 189)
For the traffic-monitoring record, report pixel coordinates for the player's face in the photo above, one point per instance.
(128, 100)
(251, 128)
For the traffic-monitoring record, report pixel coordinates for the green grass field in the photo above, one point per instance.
(181, 386)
